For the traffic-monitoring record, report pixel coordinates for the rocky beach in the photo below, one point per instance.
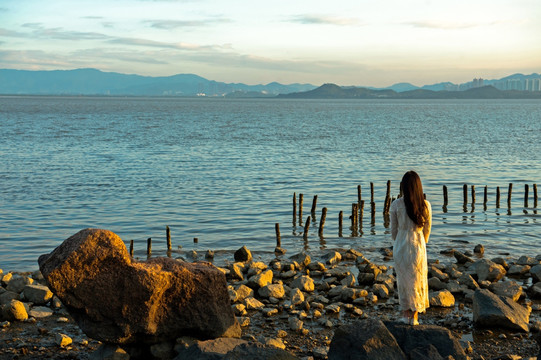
(294, 306)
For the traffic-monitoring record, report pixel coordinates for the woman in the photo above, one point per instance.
(411, 220)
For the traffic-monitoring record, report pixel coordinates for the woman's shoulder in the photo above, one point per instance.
(398, 202)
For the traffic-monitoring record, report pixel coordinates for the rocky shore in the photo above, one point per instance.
(298, 304)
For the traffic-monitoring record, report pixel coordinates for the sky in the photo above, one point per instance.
(357, 42)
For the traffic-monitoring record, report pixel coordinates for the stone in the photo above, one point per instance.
(162, 351)
(260, 280)
(302, 259)
(410, 338)
(332, 257)
(349, 280)
(468, 280)
(517, 270)
(364, 339)
(62, 340)
(295, 324)
(39, 312)
(488, 270)
(491, 310)
(235, 271)
(14, 311)
(297, 297)
(256, 267)
(209, 349)
(381, 291)
(535, 271)
(243, 292)
(442, 298)
(365, 278)
(526, 260)
(535, 290)
(118, 300)
(109, 352)
(272, 290)
(506, 288)
(253, 304)
(253, 351)
(461, 258)
(479, 249)
(275, 342)
(18, 282)
(243, 255)
(428, 352)
(436, 284)
(7, 296)
(304, 283)
(435, 272)
(37, 294)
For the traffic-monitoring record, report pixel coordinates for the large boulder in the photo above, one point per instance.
(364, 339)
(115, 299)
(491, 310)
(488, 270)
(413, 338)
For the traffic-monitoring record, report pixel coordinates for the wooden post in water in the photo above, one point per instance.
(387, 195)
(301, 199)
(149, 246)
(497, 197)
(445, 196)
(359, 198)
(340, 222)
(509, 195)
(361, 213)
(473, 196)
(294, 209)
(131, 248)
(534, 195)
(313, 211)
(278, 239)
(306, 227)
(168, 237)
(465, 193)
(322, 221)
(373, 214)
(485, 196)
(526, 193)
(371, 193)
(354, 214)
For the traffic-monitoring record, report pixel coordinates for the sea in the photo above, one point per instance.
(221, 173)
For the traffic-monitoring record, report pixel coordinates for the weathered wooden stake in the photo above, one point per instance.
(445, 196)
(361, 214)
(294, 208)
(485, 196)
(149, 246)
(473, 195)
(301, 199)
(168, 237)
(373, 214)
(354, 214)
(322, 221)
(497, 197)
(359, 198)
(278, 239)
(306, 227)
(535, 195)
(465, 192)
(340, 222)
(526, 193)
(509, 195)
(388, 194)
(131, 248)
(195, 240)
(371, 193)
(313, 211)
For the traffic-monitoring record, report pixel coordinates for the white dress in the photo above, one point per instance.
(409, 254)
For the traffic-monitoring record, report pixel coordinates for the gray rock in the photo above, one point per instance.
(488, 270)
(209, 349)
(364, 339)
(332, 257)
(436, 284)
(517, 270)
(255, 351)
(162, 351)
(7, 296)
(442, 298)
(491, 310)
(304, 283)
(39, 312)
(18, 282)
(526, 260)
(260, 280)
(479, 249)
(272, 290)
(14, 311)
(435, 272)
(461, 258)
(244, 292)
(535, 290)
(468, 280)
(302, 259)
(414, 337)
(37, 294)
(235, 271)
(506, 288)
(536, 272)
(428, 352)
(365, 278)
(109, 352)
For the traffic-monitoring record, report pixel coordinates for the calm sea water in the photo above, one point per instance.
(224, 171)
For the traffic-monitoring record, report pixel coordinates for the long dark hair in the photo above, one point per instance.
(414, 198)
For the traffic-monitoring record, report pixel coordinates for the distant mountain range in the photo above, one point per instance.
(96, 82)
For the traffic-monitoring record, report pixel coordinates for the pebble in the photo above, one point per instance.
(62, 340)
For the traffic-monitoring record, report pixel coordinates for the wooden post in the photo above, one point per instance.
(445, 196)
(534, 195)
(509, 195)
(168, 237)
(373, 214)
(485, 196)
(340, 222)
(388, 193)
(149, 246)
(301, 199)
(465, 192)
(526, 193)
(277, 230)
(359, 198)
(195, 240)
(371, 193)
(361, 213)
(322, 221)
(306, 227)
(313, 211)
(497, 197)
(354, 213)
(473, 195)
(294, 209)
(131, 248)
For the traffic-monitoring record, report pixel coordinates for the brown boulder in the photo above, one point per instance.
(118, 300)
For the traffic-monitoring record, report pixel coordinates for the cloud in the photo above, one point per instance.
(445, 25)
(11, 33)
(327, 20)
(164, 45)
(174, 24)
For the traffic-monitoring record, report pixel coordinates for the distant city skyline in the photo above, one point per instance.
(347, 42)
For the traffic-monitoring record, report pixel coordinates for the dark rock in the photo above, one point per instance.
(118, 300)
(258, 351)
(428, 352)
(302, 258)
(490, 310)
(210, 349)
(479, 249)
(243, 255)
(536, 272)
(487, 270)
(506, 288)
(461, 258)
(413, 337)
(364, 339)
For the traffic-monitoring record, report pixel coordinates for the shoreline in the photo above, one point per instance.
(270, 324)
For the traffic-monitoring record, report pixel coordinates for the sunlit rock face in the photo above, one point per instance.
(118, 300)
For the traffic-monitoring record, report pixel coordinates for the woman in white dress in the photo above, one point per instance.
(411, 220)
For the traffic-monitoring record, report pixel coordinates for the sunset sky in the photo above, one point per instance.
(357, 42)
